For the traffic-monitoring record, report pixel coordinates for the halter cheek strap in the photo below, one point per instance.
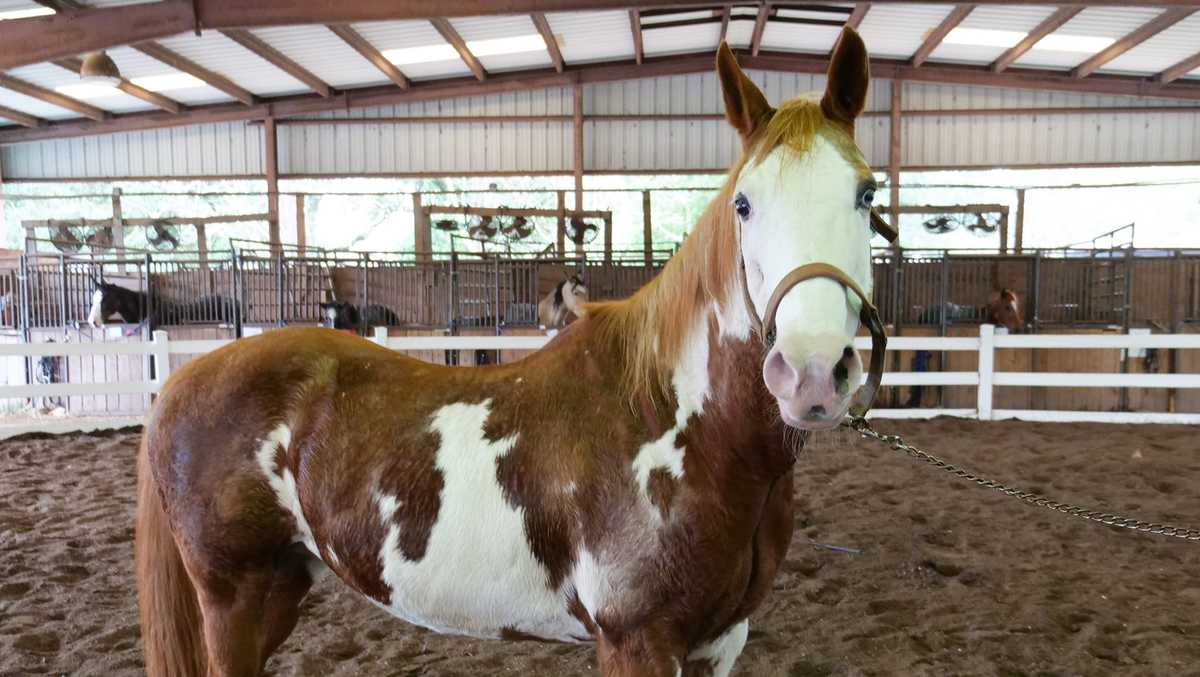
(868, 315)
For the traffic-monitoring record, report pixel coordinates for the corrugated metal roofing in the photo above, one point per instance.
(484, 28)
(388, 148)
(991, 17)
(1170, 46)
(385, 35)
(1096, 22)
(679, 39)
(896, 31)
(789, 37)
(323, 54)
(890, 31)
(221, 55)
(593, 36)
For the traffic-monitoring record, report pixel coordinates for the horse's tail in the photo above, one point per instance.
(170, 611)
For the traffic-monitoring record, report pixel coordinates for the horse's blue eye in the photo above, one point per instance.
(866, 198)
(741, 205)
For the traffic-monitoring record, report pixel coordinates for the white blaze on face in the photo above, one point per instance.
(95, 317)
(331, 315)
(804, 209)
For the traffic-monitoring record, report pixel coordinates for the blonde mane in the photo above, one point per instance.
(649, 329)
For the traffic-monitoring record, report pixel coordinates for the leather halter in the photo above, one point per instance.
(868, 315)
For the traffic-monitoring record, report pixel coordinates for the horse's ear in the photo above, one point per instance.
(745, 106)
(849, 74)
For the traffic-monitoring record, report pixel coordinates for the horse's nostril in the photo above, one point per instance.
(848, 353)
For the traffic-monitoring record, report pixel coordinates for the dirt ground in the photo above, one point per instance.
(946, 578)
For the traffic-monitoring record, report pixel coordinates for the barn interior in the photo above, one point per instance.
(436, 182)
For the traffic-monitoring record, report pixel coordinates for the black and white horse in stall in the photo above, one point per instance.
(346, 315)
(110, 301)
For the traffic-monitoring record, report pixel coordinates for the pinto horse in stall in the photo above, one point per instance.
(567, 298)
(133, 307)
(473, 500)
(346, 315)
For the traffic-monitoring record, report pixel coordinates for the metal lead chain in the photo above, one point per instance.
(864, 428)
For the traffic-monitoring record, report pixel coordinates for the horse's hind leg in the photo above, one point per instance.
(248, 614)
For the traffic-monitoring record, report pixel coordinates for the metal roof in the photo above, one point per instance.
(892, 31)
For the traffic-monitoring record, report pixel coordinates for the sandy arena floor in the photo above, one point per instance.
(950, 580)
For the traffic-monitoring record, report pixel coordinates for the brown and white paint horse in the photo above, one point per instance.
(473, 500)
(567, 298)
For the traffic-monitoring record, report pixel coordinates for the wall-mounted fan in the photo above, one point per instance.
(940, 224)
(983, 225)
(63, 238)
(163, 236)
(484, 229)
(581, 232)
(101, 239)
(518, 229)
(977, 223)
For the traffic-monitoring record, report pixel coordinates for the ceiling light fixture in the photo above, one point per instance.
(25, 13)
(99, 69)
(516, 44)
(168, 82)
(986, 37)
(87, 90)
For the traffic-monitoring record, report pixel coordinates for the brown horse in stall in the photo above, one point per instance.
(1003, 309)
(628, 485)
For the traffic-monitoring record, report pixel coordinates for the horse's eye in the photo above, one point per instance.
(742, 206)
(866, 197)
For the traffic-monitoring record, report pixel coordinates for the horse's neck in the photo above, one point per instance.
(716, 384)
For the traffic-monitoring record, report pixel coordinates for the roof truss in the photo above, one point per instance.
(52, 97)
(675, 65)
(179, 63)
(23, 119)
(450, 35)
(276, 58)
(69, 33)
(1052, 23)
(935, 37)
(1158, 24)
(210, 13)
(543, 27)
(370, 53)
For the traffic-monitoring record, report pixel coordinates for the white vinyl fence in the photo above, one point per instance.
(985, 378)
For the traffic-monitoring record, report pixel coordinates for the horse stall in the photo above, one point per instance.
(49, 301)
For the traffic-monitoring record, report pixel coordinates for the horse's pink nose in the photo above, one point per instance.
(814, 392)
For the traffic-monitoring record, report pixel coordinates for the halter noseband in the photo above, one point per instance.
(868, 315)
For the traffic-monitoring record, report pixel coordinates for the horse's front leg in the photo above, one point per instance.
(716, 658)
(650, 651)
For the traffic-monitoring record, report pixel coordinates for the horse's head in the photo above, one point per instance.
(575, 295)
(104, 303)
(339, 315)
(803, 194)
(1004, 309)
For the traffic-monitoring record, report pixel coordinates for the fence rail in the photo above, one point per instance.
(985, 379)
